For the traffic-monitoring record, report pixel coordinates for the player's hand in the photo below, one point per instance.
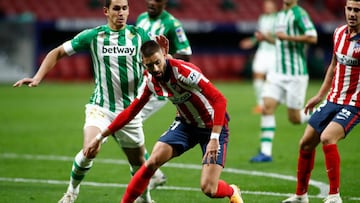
(93, 148)
(282, 35)
(309, 107)
(246, 43)
(163, 42)
(31, 82)
(212, 151)
(259, 36)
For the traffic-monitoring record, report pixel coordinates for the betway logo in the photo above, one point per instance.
(111, 50)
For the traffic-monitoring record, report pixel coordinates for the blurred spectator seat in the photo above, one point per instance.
(47, 10)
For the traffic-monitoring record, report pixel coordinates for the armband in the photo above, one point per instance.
(99, 137)
(215, 136)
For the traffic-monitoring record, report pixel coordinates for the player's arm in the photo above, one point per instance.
(180, 41)
(305, 24)
(218, 102)
(309, 39)
(47, 64)
(325, 87)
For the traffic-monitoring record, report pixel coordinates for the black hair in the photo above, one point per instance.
(149, 48)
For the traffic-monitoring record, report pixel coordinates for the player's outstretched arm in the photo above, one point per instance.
(48, 63)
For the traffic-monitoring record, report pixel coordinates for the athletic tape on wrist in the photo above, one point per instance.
(215, 136)
(99, 137)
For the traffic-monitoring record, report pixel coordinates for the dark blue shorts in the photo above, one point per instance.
(183, 137)
(347, 116)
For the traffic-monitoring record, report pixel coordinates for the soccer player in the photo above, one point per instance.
(338, 114)
(157, 21)
(115, 50)
(287, 83)
(264, 58)
(202, 120)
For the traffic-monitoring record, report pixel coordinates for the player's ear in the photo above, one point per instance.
(106, 11)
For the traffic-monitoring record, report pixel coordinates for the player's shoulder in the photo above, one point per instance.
(135, 29)
(91, 32)
(142, 16)
(170, 19)
(298, 10)
(340, 28)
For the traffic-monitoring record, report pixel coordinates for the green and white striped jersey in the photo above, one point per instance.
(169, 26)
(290, 56)
(116, 62)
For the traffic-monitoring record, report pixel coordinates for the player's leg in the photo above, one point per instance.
(210, 181)
(81, 166)
(258, 83)
(154, 104)
(94, 123)
(259, 70)
(136, 160)
(162, 152)
(267, 131)
(273, 94)
(342, 123)
(306, 159)
(131, 139)
(295, 99)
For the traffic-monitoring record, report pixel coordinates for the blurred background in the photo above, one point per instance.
(31, 28)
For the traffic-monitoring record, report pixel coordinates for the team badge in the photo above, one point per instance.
(357, 47)
(180, 34)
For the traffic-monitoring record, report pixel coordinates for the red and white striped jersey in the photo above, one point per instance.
(197, 100)
(346, 81)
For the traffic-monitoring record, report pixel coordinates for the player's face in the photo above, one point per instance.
(269, 7)
(155, 7)
(117, 14)
(155, 64)
(352, 14)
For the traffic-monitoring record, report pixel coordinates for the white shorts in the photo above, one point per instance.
(130, 136)
(153, 105)
(288, 90)
(263, 61)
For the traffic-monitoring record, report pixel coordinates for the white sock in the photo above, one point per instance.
(80, 167)
(267, 134)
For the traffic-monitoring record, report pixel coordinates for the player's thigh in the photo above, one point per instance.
(96, 120)
(296, 92)
(130, 136)
(263, 62)
(273, 89)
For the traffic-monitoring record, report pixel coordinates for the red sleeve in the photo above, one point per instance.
(130, 112)
(216, 99)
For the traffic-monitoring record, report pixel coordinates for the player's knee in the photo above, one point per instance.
(208, 190)
(294, 119)
(152, 164)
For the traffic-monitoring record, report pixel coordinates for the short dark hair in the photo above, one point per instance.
(149, 48)
(107, 3)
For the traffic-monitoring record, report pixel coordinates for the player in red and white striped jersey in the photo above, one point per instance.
(339, 113)
(202, 119)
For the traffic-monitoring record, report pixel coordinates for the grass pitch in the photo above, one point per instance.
(41, 131)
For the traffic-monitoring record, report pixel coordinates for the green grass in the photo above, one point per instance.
(41, 131)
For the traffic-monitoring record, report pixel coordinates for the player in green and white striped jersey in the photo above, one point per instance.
(115, 52)
(157, 21)
(287, 83)
(264, 58)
